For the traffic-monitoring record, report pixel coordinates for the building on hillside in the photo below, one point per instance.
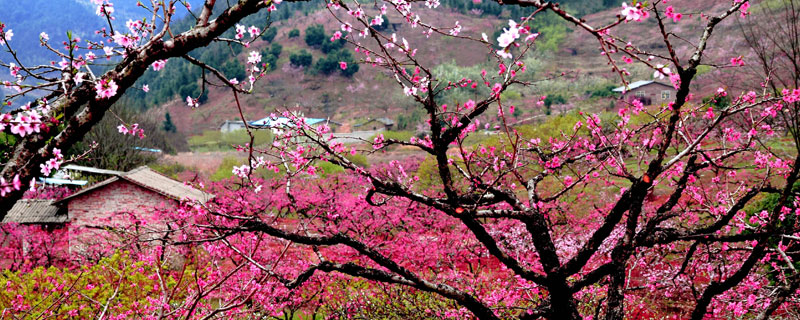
(79, 221)
(36, 211)
(138, 190)
(231, 125)
(278, 124)
(135, 191)
(646, 91)
(377, 124)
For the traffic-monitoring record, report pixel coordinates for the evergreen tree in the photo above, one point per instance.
(168, 125)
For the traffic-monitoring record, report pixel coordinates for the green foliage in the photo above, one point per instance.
(397, 135)
(451, 71)
(294, 33)
(275, 49)
(216, 140)
(271, 61)
(406, 121)
(301, 58)
(328, 46)
(603, 92)
(225, 169)
(119, 152)
(554, 99)
(718, 103)
(120, 281)
(315, 35)
(270, 56)
(492, 8)
(7, 142)
(326, 168)
(169, 169)
(384, 25)
(383, 302)
(330, 63)
(510, 95)
(703, 69)
(270, 34)
(167, 125)
(358, 159)
(234, 69)
(552, 31)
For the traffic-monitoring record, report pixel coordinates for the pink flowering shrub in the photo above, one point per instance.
(647, 212)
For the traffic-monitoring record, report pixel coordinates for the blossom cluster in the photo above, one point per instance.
(134, 130)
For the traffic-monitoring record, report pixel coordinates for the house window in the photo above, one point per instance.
(664, 95)
(640, 93)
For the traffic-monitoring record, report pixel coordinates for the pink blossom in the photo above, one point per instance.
(240, 30)
(5, 36)
(254, 57)
(105, 88)
(191, 102)
(509, 35)
(343, 65)
(743, 9)
(336, 36)
(159, 64)
(123, 40)
(253, 31)
(737, 61)
(633, 13)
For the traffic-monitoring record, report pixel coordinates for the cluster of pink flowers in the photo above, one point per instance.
(5, 34)
(27, 120)
(53, 164)
(104, 7)
(159, 64)
(241, 30)
(670, 13)
(6, 187)
(634, 13)
(791, 96)
(105, 88)
(134, 130)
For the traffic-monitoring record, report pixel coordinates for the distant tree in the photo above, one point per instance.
(271, 61)
(122, 152)
(328, 46)
(234, 69)
(554, 99)
(294, 33)
(315, 35)
(331, 63)
(276, 49)
(168, 126)
(352, 68)
(301, 59)
(384, 25)
(716, 102)
(270, 34)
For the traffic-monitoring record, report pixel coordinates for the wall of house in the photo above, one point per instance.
(117, 204)
(119, 196)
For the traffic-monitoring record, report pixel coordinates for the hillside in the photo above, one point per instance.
(351, 99)
(331, 96)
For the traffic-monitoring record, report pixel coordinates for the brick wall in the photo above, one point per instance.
(108, 206)
(118, 196)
